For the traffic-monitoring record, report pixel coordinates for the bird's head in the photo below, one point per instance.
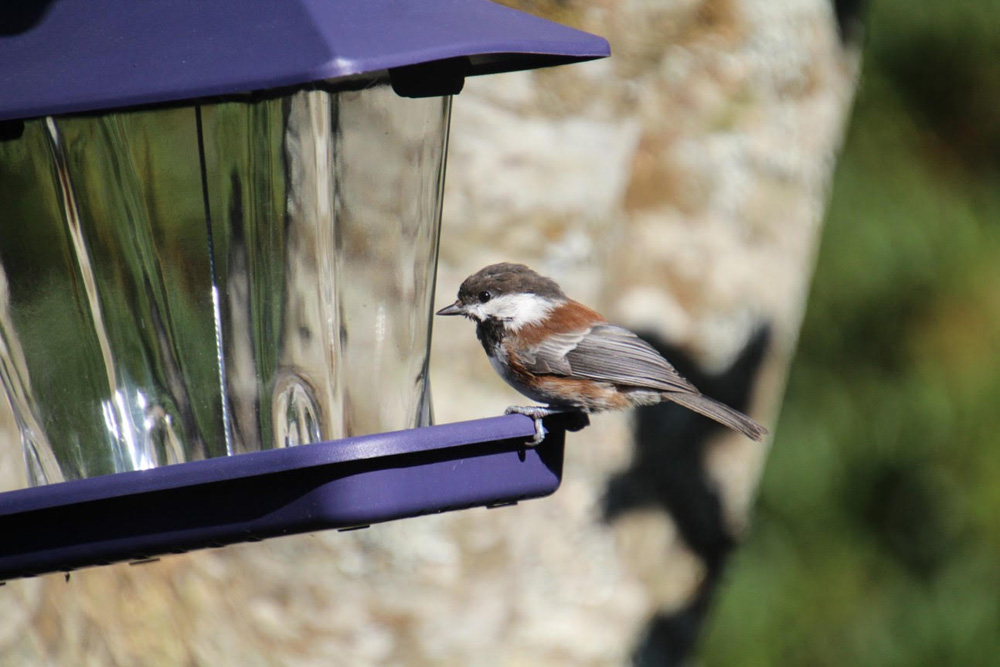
(508, 293)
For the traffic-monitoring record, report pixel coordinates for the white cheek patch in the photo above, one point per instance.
(516, 310)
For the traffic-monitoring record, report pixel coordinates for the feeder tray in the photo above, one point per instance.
(343, 484)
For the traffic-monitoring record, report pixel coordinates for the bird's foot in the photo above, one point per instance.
(536, 412)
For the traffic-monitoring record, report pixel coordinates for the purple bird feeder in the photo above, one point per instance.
(219, 228)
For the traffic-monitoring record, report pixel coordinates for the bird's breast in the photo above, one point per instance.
(490, 333)
(513, 373)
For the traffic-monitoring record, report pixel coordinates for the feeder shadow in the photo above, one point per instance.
(668, 472)
(17, 17)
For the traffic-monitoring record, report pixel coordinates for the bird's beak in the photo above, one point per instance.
(453, 309)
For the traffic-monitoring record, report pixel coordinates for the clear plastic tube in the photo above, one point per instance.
(190, 282)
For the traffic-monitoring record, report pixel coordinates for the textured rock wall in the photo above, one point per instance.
(677, 187)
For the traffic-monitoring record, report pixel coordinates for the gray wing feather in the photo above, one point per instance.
(550, 357)
(610, 354)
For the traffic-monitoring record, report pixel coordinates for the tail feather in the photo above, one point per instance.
(720, 412)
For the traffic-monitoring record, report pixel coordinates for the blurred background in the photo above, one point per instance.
(876, 536)
(686, 187)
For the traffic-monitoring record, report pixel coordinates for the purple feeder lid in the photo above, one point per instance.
(65, 56)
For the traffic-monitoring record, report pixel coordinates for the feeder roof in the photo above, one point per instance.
(65, 56)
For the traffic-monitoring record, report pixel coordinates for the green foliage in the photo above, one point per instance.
(877, 534)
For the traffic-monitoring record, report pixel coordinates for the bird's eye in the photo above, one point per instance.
(484, 297)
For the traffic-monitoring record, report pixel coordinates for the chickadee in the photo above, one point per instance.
(561, 353)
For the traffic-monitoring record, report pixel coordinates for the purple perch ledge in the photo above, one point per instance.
(341, 484)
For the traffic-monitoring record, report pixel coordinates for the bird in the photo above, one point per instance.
(560, 353)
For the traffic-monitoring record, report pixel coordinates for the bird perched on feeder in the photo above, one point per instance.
(559, 352)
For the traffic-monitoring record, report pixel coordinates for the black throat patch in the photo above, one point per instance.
(490, 333)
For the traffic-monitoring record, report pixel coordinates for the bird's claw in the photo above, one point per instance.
(537, 413)
(539, 433)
